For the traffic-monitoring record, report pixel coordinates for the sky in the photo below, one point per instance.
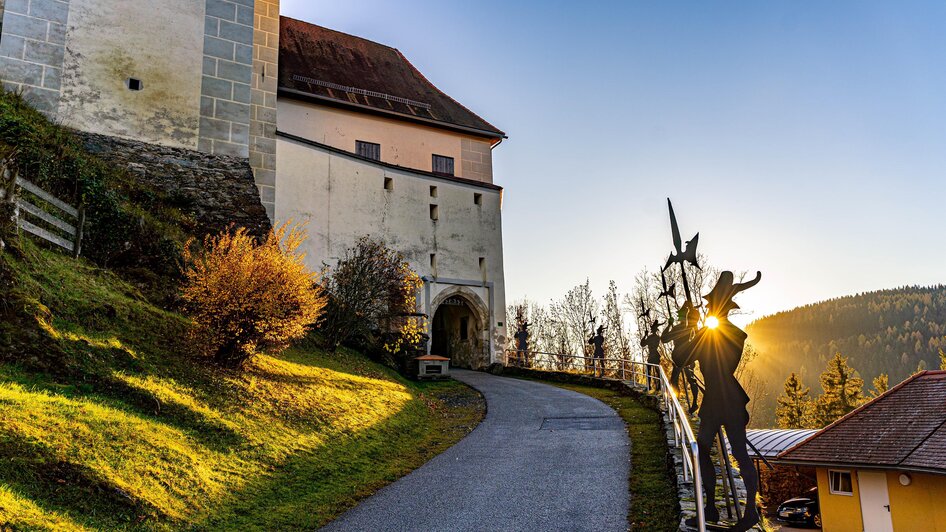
(806, 140)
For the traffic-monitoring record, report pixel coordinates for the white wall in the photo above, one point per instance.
(160, 43)
(342, 198)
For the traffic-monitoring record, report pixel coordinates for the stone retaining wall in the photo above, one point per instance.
(214, 190)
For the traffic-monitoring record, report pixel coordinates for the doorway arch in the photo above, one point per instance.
(459, 328)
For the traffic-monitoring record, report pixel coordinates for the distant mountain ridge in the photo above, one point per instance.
(887, 331)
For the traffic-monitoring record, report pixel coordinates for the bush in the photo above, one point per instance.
(372, 300)
(246, 296)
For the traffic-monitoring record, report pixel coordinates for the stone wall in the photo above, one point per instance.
(215, 190)
(32, 48)
(227, 69)
(263, 106)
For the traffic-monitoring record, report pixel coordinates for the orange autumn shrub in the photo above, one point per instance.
(247, 297)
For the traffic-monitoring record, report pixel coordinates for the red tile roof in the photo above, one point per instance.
(340, 69)
(904, 428)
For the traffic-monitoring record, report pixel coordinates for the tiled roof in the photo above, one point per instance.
(770, 442)
(345, 70)
(904, 428)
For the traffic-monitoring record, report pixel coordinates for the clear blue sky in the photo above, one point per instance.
(803, 139)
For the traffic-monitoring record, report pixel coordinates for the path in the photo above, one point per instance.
(544, 458)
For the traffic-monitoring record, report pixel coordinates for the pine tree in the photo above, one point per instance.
(880, 385)
(794, 405)
(843, 391)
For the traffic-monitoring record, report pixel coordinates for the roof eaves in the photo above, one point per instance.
(335, 102)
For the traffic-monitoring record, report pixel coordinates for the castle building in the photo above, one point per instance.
(335, 130)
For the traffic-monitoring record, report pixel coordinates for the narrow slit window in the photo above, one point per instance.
(388, 183)
(483, 267)
(433, 263)
(434, 212)
(433, 191)
(477, 198)
(368, 150)
(443, 165)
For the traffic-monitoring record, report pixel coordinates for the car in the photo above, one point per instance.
(802, 510)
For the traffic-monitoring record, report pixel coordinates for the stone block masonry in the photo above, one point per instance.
(32, 48)
(225, 93)
(263, 100)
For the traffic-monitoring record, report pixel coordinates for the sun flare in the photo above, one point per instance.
(712, 322)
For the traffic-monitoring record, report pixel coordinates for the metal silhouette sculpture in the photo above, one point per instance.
(681, 333)
(522, 340)
(719, 350)
(652, 342)
(597, 340)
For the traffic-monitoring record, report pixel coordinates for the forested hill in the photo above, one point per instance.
(888, 331)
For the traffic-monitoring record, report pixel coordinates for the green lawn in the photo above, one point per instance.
(109, 421)
(653, 494)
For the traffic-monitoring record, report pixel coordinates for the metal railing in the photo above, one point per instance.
(653, 377)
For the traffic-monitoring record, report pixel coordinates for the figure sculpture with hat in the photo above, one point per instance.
(597, 357)
(652, 342)
(718, 347)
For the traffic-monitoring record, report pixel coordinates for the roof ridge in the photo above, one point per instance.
(436, 88)
(352, 35)
(854, 412)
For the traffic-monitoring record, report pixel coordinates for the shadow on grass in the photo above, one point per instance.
(315, 486)
(33, 470)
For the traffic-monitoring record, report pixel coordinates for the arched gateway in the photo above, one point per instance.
(459, 329)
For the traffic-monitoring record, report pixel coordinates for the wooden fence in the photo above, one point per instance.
(50, 225)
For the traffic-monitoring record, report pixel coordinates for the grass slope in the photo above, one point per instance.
(108, 421)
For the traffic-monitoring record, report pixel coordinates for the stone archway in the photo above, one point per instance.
(459, 328)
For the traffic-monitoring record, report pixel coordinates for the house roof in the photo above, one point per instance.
(905, 428)
(340, 69)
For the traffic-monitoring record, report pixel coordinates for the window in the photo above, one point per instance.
(135, 84)
(840, 482)
(369, 150)
(483, 267)
(433, 264)
(388, 183)
(464, 328)
(434, 213)
(433, 192)
(443, 165)
(477, 198)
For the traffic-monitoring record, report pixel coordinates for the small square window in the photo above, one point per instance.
(443, 165)
(434, 213)
(840, 482)
(388, 183)
(135, 84)
(477, 198)
(433, 192)
(368, 150)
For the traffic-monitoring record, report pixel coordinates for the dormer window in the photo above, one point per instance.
(368, 150)
(443, 165)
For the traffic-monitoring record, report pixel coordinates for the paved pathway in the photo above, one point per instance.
(544, 458)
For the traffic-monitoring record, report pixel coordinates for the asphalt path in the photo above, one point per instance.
(544, 458)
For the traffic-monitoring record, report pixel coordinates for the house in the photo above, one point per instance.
(262, 119)
(883, 466)
(366, 145)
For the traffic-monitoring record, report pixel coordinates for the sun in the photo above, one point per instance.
(712, 322)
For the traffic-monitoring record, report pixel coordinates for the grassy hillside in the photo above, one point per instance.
(107, 420)
(888, 331)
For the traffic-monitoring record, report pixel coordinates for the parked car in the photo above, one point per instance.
(802, 510)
